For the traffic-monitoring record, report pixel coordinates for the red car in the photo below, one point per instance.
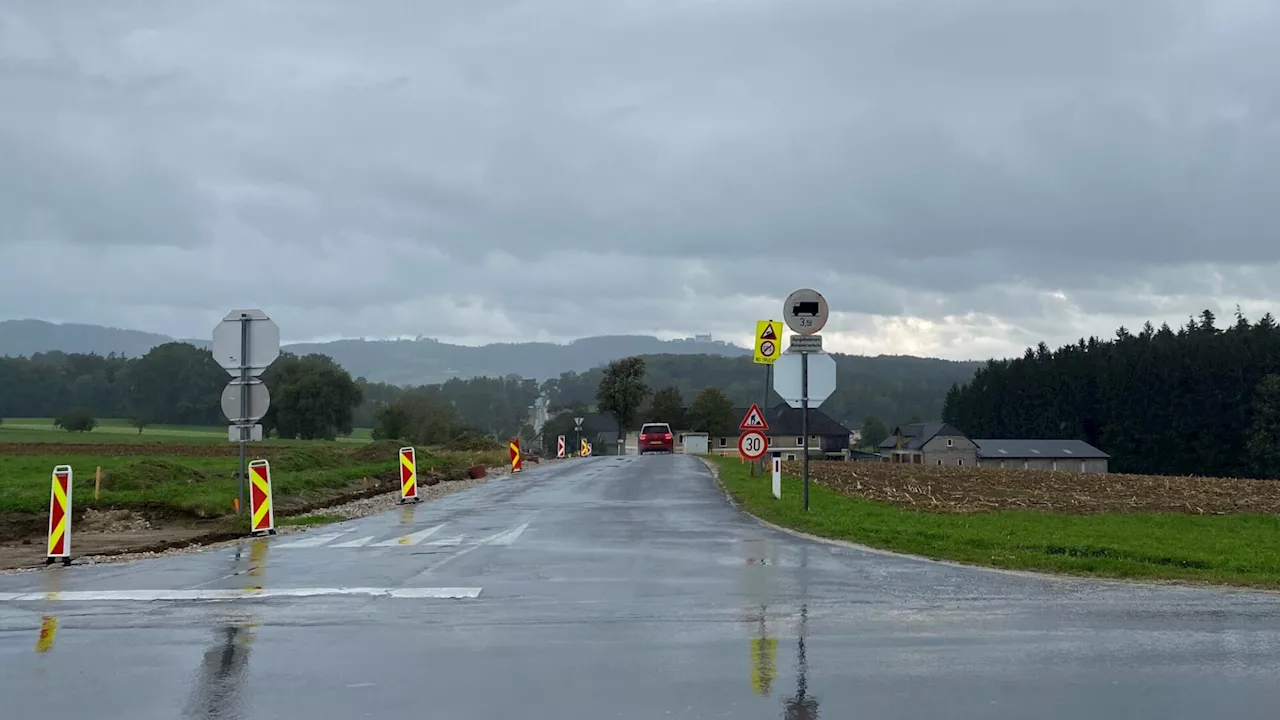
(656, 437)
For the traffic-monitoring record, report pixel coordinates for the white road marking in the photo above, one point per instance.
(215, 594)
(507, 537)
(315, 541)
(448, 542)
(411, 539)
(358, 542)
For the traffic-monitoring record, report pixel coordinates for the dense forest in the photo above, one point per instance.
(1197, 401)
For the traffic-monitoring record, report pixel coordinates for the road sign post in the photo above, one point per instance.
(245, 344)
(806, 313)
(560, 446)
(517, 463)
(768, 348)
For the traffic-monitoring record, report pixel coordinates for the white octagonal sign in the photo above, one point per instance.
(787, 380)
(263, 339)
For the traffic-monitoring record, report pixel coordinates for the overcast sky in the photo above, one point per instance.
(960, 178)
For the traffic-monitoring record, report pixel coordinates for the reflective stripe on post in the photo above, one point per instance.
(260, 509)
(60, 514)
(408, 475)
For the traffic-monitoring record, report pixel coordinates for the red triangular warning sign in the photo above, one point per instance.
(768, 333)
(753, 420)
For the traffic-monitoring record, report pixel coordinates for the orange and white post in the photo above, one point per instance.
(260, 509)
(517, 463)
(60, 517)
(408, 476)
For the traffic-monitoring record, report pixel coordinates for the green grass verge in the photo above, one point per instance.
(1223, 549)
(116, 430)
(207, 486)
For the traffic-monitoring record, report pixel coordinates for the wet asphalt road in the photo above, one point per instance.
(613, 588)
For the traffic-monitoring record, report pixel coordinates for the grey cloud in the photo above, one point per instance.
(568, 167)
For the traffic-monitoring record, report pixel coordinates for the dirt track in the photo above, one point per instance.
(970, 489)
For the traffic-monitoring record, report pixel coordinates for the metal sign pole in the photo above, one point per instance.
(804, 420)
(244, 398)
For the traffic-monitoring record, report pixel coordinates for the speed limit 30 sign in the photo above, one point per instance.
(752, 444)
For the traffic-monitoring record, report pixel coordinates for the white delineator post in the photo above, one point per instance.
(777, 476)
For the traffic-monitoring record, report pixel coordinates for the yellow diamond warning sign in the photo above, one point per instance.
(768, 341)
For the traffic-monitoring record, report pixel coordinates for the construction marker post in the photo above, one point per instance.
(517, 463)
(261, 513)
(585, 450)
(408, 476)
(560, 447)
(60, 517)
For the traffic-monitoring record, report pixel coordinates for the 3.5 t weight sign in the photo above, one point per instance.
(752, 444)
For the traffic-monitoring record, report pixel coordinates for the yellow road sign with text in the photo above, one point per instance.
(768, 341)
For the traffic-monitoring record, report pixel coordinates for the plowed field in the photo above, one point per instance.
(973, 489)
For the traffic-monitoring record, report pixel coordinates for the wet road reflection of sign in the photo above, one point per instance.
(764, 664)
(220, 686)
(48, 628)
(801, 706)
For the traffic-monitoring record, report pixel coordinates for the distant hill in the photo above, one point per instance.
(401, 362)
(27, 337)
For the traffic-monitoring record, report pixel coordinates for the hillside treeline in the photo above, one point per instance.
(894, 389)
(178, 384)
(1200, 400)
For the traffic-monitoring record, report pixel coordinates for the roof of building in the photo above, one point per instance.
(918, 434)
(785, 420)
(1057, 449)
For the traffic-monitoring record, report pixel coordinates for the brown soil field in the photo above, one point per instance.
(138, 449)
(973, 489)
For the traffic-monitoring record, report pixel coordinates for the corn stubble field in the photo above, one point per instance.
(952, 489)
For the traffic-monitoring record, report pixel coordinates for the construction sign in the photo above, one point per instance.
(768, 342)
(560, 447)
(260, 510)
(517, 464)
(753, 420)
(60, 516)
(408, 475)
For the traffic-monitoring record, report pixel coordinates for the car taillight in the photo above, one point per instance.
(667, 436)
(644, 436)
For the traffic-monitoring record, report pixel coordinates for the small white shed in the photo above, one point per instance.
(695, 443)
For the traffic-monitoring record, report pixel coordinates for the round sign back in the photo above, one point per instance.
(805, 311)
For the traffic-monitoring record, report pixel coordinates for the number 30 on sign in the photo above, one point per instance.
(752, 444)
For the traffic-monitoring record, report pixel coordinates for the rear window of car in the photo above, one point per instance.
(655, 428)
